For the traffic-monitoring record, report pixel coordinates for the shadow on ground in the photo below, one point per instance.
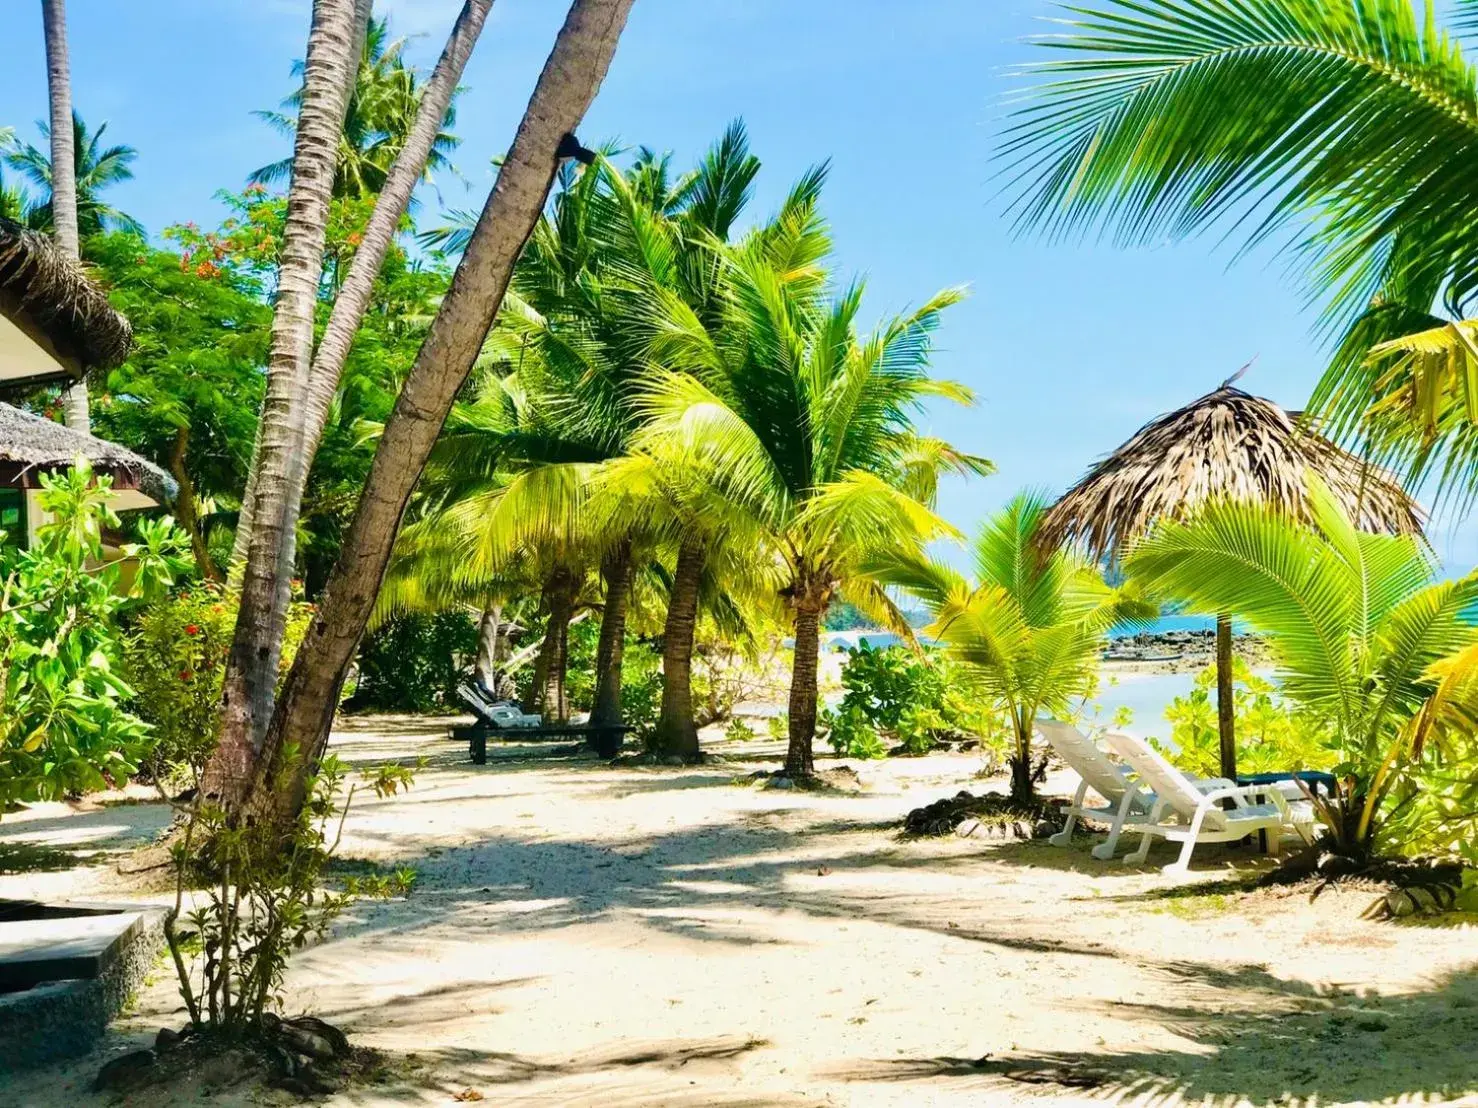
(1284, 1044)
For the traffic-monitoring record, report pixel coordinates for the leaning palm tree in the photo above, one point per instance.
(808, 423)
(1029, 628)
(97, 168)
(1355, 622)
(1349, 127)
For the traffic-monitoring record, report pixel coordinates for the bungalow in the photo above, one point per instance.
(55, 325)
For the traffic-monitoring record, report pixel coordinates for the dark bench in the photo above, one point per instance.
(476, 736)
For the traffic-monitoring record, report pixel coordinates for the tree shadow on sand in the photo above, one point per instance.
(1249, 1037)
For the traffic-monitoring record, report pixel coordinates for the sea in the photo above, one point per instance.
(1146, 695)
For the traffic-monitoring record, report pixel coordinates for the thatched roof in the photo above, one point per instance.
(59, 299)
(29, 443)
(1226, 445)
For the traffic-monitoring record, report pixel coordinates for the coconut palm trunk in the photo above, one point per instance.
(489, 647)
(251, 669)
(353, 296)
(63, 172)
(1023, 782)
(799, 759)
(568, 83)
(1225, 697)
(617, 570)
(547, 693)
(676, 733)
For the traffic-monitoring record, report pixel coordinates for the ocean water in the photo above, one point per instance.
(1146, 695)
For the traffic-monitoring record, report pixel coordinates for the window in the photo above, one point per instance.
(13, 516)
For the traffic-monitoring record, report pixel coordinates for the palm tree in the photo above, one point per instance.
(61, 211)
(1355, 622)
(249, 683)
(795, 415)
(382, 110)
(1350, 129)
(1029, 628)
(15, 202)
(97, 168)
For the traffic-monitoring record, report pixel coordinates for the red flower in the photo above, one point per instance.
(185, 675)
(191, 629)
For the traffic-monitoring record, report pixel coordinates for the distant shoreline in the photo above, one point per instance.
(1145, 652)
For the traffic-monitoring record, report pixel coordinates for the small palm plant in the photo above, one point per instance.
(1355, 622)
(1030, 628)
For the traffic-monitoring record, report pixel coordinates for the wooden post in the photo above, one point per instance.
(1226, 720)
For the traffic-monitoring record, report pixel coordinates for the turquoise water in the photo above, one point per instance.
(1146, 695)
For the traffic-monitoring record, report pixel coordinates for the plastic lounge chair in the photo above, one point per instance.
(1184, 814)
(493, 713)
(1124, 798)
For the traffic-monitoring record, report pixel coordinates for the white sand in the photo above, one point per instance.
(585, 935)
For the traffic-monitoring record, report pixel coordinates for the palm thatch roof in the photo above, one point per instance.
(1226, 445)
(39, 280)
(29, 443)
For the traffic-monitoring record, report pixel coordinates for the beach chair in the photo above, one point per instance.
(493, 713)
(1124, 797)
(1184, 814)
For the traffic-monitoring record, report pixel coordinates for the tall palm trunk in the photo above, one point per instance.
(353, 296)
(63, 172)
(799, 760)
(489, 647)
(676, 732)
(251, 668)
(571, 75)
(1226, 712)
(617, 570)
(547, 694)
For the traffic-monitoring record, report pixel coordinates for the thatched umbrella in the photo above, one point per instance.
(1226, 445)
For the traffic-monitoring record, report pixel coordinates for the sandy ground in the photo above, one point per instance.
(588, 935)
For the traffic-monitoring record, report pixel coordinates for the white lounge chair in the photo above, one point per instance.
(1124, 798)
(1183, 814)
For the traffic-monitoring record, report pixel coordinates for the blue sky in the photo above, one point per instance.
(1069, 347)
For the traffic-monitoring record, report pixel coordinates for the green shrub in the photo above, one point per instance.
(260, 898)
(414, 663)
(739, 731)
(851, 734)
(1272, 735)
(907, 699)
(63, 725)
(175, 660)
(641, 686)
(778, 727)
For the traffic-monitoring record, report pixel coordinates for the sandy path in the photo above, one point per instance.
(586, 935)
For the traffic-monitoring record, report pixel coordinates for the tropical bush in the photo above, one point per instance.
(1027, 632)
(260, 899)
(414, 662)
(64, 727)
(895, 695)
(851, 734)
(1272, 734)
(1358, 626)
(739, 730)
(175, 660)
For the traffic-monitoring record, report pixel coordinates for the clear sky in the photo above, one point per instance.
(1069, 347)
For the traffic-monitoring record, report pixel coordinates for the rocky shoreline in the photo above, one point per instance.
(1179, 651)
